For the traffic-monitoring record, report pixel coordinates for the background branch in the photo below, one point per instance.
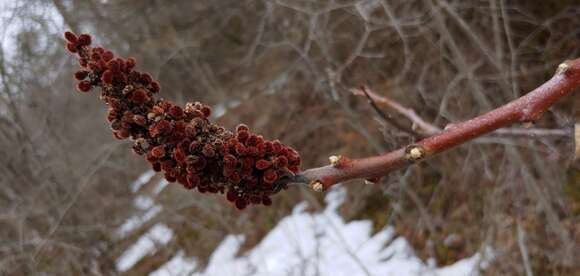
(428, 129)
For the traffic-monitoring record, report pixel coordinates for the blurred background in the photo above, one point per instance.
(75, 201)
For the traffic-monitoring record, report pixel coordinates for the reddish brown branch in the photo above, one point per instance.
(527, 108)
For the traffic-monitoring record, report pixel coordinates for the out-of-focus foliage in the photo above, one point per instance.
(285, 68)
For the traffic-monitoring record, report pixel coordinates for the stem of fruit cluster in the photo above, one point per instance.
(525, 109)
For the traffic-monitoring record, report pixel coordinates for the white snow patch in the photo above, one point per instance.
(159, 234)
(179, 265)
(323, 244)
(144, 202)
(142, 180)
(160, 186)
(136, 221)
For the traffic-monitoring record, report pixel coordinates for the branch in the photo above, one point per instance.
(424, 127)
(525, 109)
(429, 129)
(388, 118)
(577, 141)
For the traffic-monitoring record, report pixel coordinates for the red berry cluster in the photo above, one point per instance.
(182, 142)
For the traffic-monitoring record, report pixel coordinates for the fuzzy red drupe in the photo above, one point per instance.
(182, 142)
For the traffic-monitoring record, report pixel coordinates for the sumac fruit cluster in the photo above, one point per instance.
(179, 141)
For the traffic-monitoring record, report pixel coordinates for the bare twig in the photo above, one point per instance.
(430, 129)
(524, 250)
(388, 118)
(424, 127)
(525, 109)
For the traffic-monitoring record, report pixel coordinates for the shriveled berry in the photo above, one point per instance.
(84, 40)
(72, 47)
(242, 127)
(242, 135)
(206, 110)
(266, 201)
(263, 164)
(131, 63)
(241, 203)
(270, 176)
(107, 77)
(107, 56)
(140, 120)
(81, 74)
(139, 97)
(84, 86)
(155, 87)
(208, 150)
(280, 162)
(176, 112)
(158, 151)
(231, 196)
(193, 180)
(70, 37)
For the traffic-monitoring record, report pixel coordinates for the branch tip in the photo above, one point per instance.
(562, 68)
(317, 186)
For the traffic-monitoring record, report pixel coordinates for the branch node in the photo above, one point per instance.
(414, 153)
(562, 68)
(317, 186)
(334, 160)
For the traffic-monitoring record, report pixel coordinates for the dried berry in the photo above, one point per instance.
(158, 151)
(84, 86)
(263, 164)
(107, 77)
(70, 37)
(81, 74)
(270, 176)
(139, 97)
(84, 40)
(71, 47)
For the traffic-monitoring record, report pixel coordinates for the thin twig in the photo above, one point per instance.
(388, 118)
(430, 129)
(524, 250)
(424, 127)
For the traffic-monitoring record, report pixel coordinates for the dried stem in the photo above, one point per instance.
(525, 109)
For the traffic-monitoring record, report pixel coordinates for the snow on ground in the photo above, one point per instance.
(321, 244)
(158, 235)
(142, 180)
(144, 203)
(177, 266)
